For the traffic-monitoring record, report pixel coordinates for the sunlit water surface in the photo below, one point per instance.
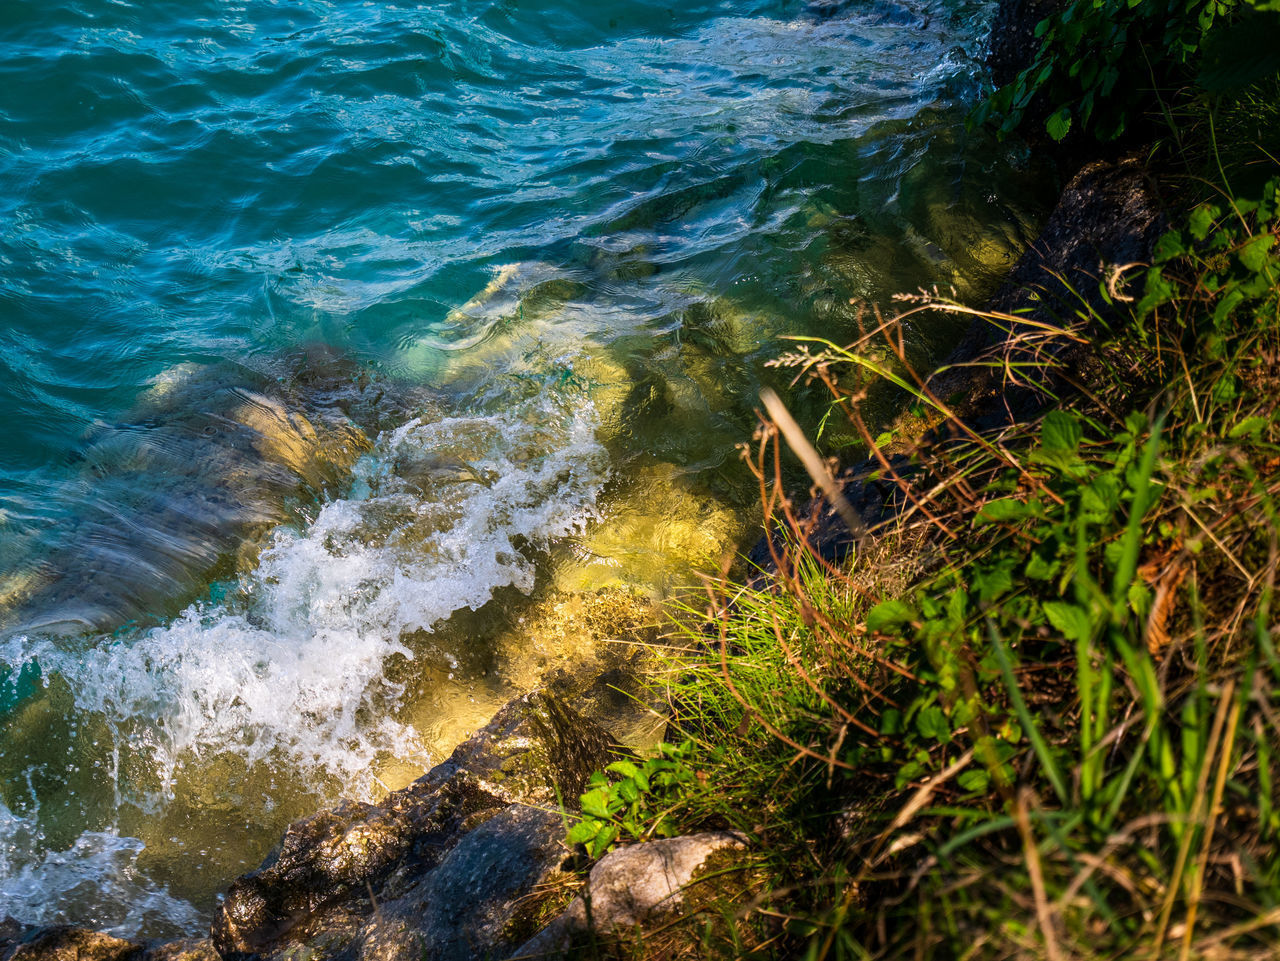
(326, 324)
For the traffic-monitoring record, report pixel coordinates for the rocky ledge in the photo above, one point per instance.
(467, 862)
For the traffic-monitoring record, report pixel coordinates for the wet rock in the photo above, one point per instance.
(337, 870)
(535, 750)
(1109, 215)
(63, 943)
(11, 931)
(470, 905)
(629, 888)
(192, 949)
(1107, 221)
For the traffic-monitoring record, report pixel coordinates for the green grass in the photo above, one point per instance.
(1037, 715)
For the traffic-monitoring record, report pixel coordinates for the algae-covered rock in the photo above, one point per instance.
(536, 750)
(192, 949)
(60, 942)
(63, 943)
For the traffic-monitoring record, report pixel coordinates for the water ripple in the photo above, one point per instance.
(627, 203)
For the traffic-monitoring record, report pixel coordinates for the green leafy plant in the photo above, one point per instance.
(1099, 62)
(627, 800)
(1228, 251)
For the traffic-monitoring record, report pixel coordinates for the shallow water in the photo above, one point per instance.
(350, 347)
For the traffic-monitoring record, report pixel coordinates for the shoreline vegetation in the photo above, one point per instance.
(1015, 693)
(1024, 704)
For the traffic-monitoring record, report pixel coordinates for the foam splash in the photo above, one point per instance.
(440, 516)
(283, 687)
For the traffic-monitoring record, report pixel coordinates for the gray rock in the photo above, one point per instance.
(630, 887)
(470, 905)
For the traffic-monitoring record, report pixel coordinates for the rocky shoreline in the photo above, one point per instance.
(468, 861)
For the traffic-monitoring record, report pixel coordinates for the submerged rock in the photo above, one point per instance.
(182, 490)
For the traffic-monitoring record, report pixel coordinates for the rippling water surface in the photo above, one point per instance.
(324, 321)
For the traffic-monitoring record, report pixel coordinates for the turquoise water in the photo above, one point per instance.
(324, 320)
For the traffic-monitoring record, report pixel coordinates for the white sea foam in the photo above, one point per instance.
(432, 528)
(290, 671)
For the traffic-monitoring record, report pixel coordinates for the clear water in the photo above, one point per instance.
(323, 324)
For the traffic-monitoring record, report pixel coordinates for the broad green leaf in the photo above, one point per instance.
(597, 803)
(1202, 220)
(1041, 569)
(1059, 123)
(932, 723)
(625, 768)
(891, 721)
(1224, 389)
(1249, 427)
(1100, 498)
(607, 835)
(908, 773)
(1254, 254)
(1072, 621)
(1005, 510)
(994, 582)
(1061, 432)
(1169, 246)
(583, 831)
(1140, 598)
(889, 614)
